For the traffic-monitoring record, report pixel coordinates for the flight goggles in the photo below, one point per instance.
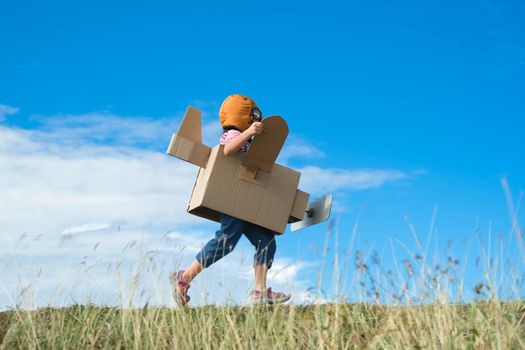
(256, 114)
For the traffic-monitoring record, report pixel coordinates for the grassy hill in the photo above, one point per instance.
(478, 325)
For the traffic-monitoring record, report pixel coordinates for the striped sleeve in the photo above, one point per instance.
(229, 135)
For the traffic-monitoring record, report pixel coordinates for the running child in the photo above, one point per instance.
(241, 121)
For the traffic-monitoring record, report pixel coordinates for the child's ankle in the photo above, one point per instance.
(186, 277)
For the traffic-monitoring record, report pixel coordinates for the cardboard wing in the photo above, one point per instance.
(258, 162)
(186, 144)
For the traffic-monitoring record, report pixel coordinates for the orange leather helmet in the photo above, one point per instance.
(239, 112)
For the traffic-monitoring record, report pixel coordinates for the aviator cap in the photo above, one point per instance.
(239, 112)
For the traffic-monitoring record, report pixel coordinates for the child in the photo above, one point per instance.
(241, 121)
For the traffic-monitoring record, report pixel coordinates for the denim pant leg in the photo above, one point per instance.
(223, 243)
(263, 240)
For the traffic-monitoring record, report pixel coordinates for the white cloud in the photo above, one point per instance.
(296, 147)
(84, 228)
(211, 133)
(6, 110)
(90, 202)
(81, 196)
(103, 128)
(190, 241)
(318, 180)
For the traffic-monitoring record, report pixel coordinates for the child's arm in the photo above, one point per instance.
(236, 144)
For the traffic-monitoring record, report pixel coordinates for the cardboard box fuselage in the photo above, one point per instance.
(218, 189)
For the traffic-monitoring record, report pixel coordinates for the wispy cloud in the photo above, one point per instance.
(297, 147)
(319, 180)
(84, 228)
(105, 128)
(6, 110)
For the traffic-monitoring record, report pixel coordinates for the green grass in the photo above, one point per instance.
(478, 325)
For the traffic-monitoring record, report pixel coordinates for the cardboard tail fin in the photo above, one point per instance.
(316, 212)
(186, 144)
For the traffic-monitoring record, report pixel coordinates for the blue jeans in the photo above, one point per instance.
(229, 234)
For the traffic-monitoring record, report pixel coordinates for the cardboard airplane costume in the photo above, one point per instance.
(249, 186)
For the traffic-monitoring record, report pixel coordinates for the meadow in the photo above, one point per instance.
(429, 308)
(476, 325)
(420, 301)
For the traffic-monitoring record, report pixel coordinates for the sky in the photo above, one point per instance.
(411, 113)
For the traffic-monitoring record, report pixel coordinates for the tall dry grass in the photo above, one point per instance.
(425, 305)
(418, 301)
(479, 325)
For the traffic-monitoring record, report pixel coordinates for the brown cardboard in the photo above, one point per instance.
(248, 186)
(260, 158)
(219, 190)
(265, 148)
(194, 153)
(191, 126)
(299, 206)
(186, 144)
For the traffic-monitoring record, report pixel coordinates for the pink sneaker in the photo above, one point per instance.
(180, 288)
(269, 296)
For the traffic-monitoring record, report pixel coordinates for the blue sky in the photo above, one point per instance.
(427, 97)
